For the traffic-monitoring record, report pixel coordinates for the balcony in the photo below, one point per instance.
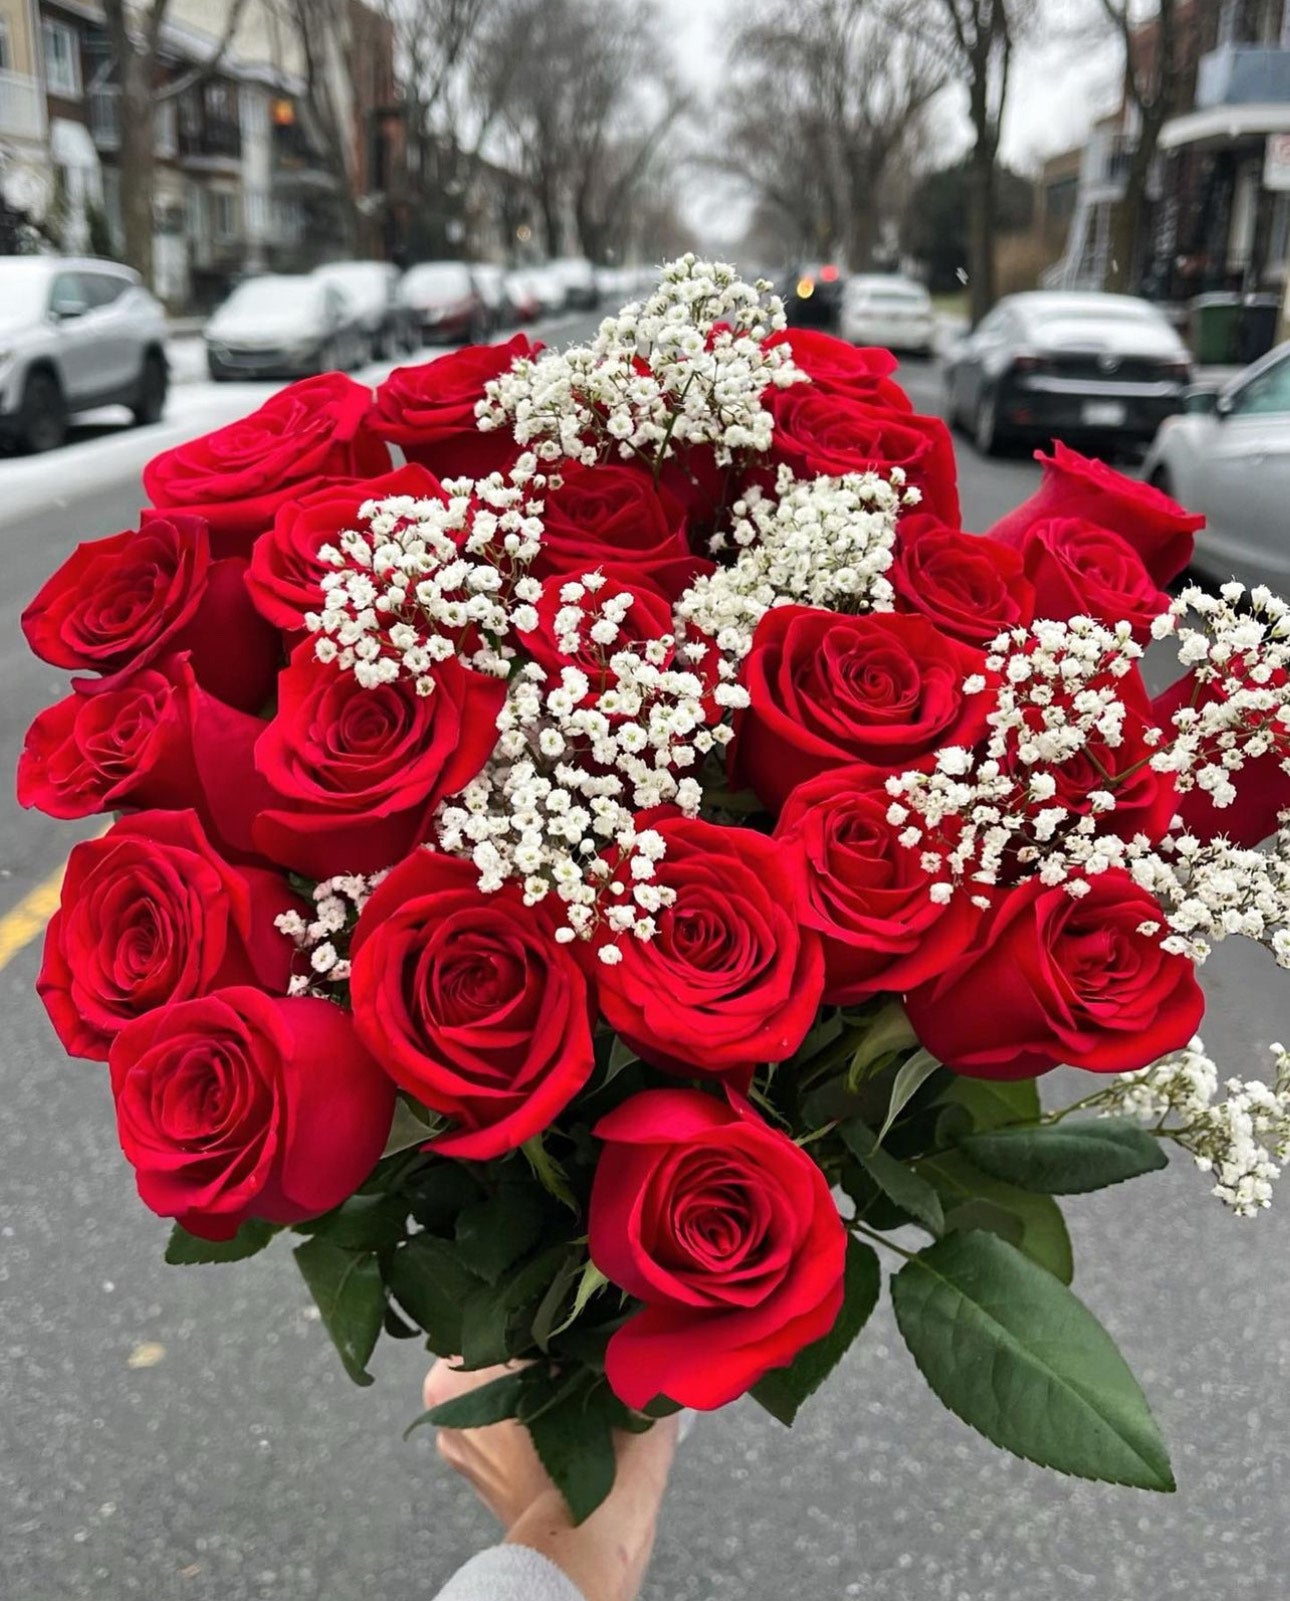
(22, 106)
(1243, 75)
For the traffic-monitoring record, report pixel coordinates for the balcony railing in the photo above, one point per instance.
(105, 122)
(1243, 75)
(22, 106)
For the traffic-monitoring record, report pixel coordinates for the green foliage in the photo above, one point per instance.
(428, 1279)
(347, 1287)
(935, 230)
(187, 1250)
(1067, 1158)
(992, 1103)
(974, 1199)
(493, 1402)
(497, 1231)
(910, 1192)
(572, 1430)
(371, 1222)
(783, 1390)
(1010, 1350)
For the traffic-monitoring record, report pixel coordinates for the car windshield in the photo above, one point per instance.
(892, 294)
(24, 287)
(273, 297)
(1112, 312)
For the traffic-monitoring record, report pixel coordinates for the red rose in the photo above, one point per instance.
(285, 576)
(819, 431)
(1076, 486)
(649, 617)
(728, 980)
(356, 773)
(238, 476)
(239, 1104)
(864, 893)
(429, 410)
(117, 604)
(612, 514)
(106, 747)
(1079, 569)
(840, 368)
(149, 914)
(827, 688)
(1262, 785)
(467, 1001)
(1053, 979)
(973, 589)
(726, 1230)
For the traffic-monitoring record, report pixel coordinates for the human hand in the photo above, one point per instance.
(605, 1556)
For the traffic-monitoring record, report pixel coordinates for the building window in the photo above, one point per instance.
(62, 59)
(6, 48)
(223, 214)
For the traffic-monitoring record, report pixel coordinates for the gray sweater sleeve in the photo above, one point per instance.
(509, 1573)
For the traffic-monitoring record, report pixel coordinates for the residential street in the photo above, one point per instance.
(190, 1433)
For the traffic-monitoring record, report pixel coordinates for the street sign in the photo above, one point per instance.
(1276, 163)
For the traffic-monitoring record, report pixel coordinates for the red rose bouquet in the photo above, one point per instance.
(600, 883)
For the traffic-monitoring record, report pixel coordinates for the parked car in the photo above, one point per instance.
(1228, 455)
(1083, 368)
(550, 289)
(812, 296)
(579, 279)
(75, 334)
(490, 280)
(884, 309)
(523, 295)
(373, 289)
(446, 302)
(284, 325)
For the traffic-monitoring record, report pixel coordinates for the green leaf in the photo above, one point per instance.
(783, 1390)
(485, 1327)
(440, 1192)
(1067, 1158)
(495, 1232)
(899, 1183)
(1012, 1352)
(493, 1402)
(347, 1287)
(1043, 1229)
(621, 1055)
(993, 1103)
(431, 1283)
(910, 1078)
(576, 1445)
(187, 1250)
(413, 1125)
(363, 1223)
(548, 1172)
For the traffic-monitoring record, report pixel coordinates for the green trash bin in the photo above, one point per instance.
(1215, 329)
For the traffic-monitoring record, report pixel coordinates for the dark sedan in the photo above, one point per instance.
(1087, 369)
(812, 296)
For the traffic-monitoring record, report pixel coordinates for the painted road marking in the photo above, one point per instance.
(28, 918)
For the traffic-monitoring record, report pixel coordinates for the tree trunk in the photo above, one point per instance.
(981, 225)
(1129, 212)
(549, 206)
(137, 162)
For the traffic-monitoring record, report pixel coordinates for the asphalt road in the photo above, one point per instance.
(188, 1432)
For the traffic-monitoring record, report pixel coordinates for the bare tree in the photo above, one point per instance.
(588, 115)
(135, 39)
(1156, 55)
(979, 38)
(823, 96)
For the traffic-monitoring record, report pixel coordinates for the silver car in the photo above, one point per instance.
(1230, 458)
(75, 334)
(284, 326)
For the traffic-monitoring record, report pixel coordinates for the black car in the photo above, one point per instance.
(812, 296)
(1082, 368)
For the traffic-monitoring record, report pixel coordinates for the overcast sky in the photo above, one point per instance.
(1055, 92)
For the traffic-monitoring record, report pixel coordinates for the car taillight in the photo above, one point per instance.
(1179, 371)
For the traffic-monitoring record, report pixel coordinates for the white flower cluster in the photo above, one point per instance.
(576, 763)
(1240, 705)
(1021, 807)
(422, 580)
(822, 542)
(1243, 1140)
(324, 938)
(978, 817)
(687, 367)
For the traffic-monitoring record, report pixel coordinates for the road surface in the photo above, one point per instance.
(189, 1433)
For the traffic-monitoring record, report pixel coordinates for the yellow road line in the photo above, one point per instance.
(28, 918)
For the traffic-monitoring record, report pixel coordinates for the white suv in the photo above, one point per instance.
(75, 334)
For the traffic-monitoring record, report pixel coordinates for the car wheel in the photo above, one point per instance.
(1161, 480)
(43, 413)
(150, 401)
(329, 356)
(985, 426)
